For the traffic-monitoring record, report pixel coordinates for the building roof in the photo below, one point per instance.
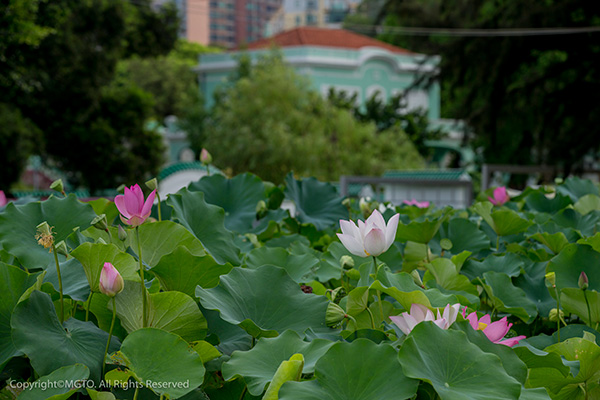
(313, 36)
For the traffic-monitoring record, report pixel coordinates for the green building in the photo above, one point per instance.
(339, 59)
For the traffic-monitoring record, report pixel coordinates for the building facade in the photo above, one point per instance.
(337, 59)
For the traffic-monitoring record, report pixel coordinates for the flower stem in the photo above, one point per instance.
(207, 170)
(371, 316)
(109, 235)
(60, 285)
(110, 331)
(159, 214)
(377, 291)
(87, 309)
(144, 316)
(498, 243)
(587, 303)
(137, 390)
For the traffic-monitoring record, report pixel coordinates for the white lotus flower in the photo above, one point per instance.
(419, 313)
(370, 238)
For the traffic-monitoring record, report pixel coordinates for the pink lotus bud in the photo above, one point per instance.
(3, 200)
(500, 196)
(134, 211)
(583, 282)
(205, 157)
(111, 282)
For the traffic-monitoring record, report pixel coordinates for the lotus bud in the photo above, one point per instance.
(346, 203)
(100, 222)
(583, 282)
(122, 233)
(346, 262)
(417, 278)
(554, 315)
(44, 235)
(205, 157)
(152, 184)
(551, 279)
(58, 186)
(364, 205)
(261, 209)
(61, 248)
(111, 281)
(334, 315)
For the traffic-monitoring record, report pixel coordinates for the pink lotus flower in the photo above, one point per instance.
(370, 238)
(111, 281)
(495, 331)
(419, 313)
(500, 196)
(134, 211)
(3, 200)
(420, 204)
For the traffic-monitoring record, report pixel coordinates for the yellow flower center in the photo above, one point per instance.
(481, 326)
(367, 253)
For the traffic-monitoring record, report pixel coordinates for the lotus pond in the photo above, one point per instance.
(226, 295)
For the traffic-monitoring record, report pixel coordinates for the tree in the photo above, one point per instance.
(528, 99)
(271, 123)
(93, 128)
(388, 114)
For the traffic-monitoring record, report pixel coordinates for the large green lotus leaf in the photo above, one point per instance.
(576, 188)
(444, 272)
(183, 271)
(299, 267)
(161, 238)
(402, 288)
(513, 366)
(74, 282)
(455, 367)
(265, 301)
(587, 224)
(205, 221)
(509, 264)
(361, 370)
(13, 283)
(93, 256)
(106, 207)
(46, 387)
(534, 394)
(538, 201)
(419, 232)
(464, 235)
(571, 261)
(238, 196)
(18, 227)
(533, 283)
(258, 365)
(587, 204)
(37, 332)
(317, 203)
(174, 312)
(555, 241)
(593, 241)
(508, 222)
(509, 298)
(230, 337)
(536, 358)
(568, 387)
(572, 300)
(154, 356)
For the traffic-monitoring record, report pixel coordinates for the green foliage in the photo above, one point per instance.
(19, 137)
(269, 123)
(526, 98)
(92, 129)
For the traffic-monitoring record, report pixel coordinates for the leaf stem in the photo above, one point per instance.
(587, 303)
(159, 214)
(112, 325)
(557, 312)
(137, 390)
(245, 387)
(87, 309)
(371, 316)
(60, 285)
(144, 316)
